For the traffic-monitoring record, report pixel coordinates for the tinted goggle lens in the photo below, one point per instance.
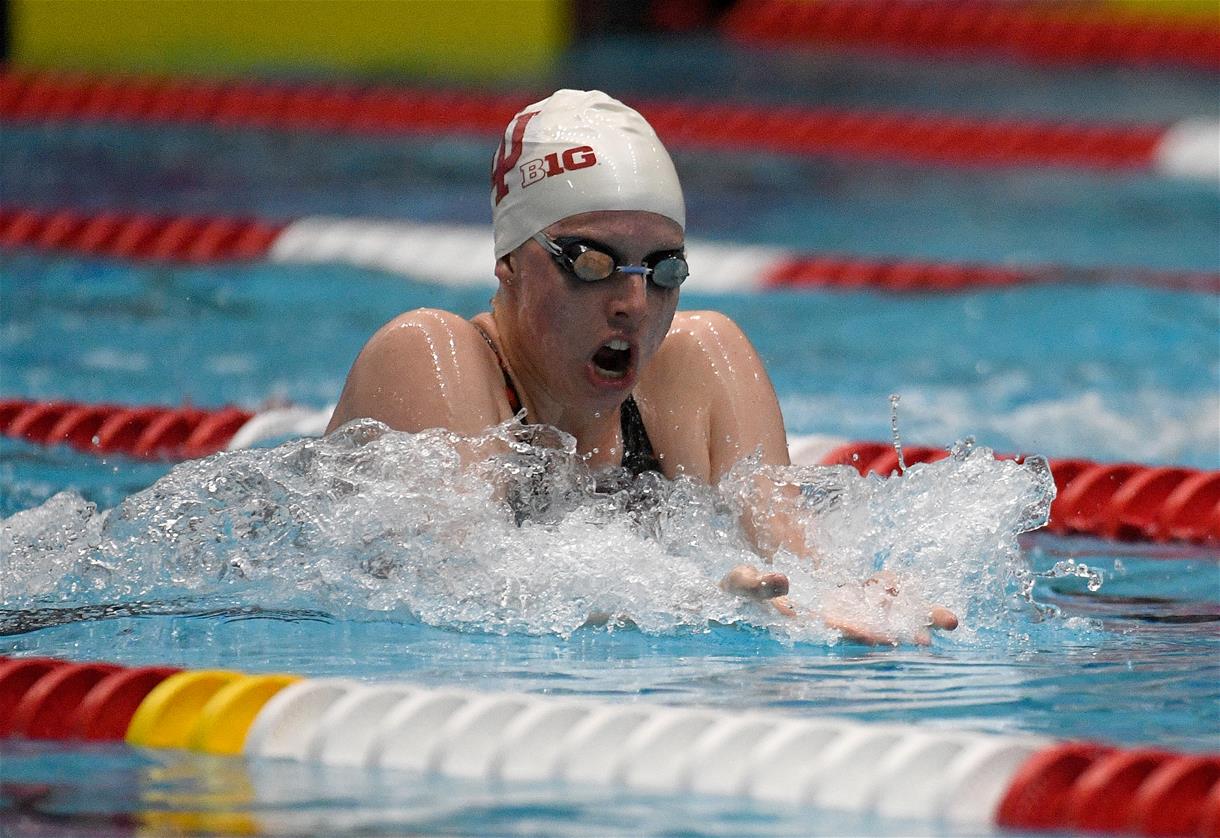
(670, 272)
(588, 264)
(592, 265)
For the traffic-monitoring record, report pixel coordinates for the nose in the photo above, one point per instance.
(628, 301)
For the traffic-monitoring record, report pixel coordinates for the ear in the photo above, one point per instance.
(506, 268)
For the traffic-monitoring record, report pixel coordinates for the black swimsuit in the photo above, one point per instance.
(638, 456)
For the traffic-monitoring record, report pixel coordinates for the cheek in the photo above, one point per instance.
(556, 325)
(662, 316)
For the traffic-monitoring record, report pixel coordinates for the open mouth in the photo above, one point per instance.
(613, 359)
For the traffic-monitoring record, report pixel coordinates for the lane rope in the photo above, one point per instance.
(1186, 149)
(1036, 32)
(458, 255)
(1118, 501)
(143, 432)
(138, 236)
(958, 779)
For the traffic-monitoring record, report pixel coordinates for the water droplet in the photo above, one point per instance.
(902, 464)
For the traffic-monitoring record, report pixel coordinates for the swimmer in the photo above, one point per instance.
(584, 333)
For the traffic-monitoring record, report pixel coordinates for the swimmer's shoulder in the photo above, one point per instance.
(699, 344)
(432, 331)
(426, 368)
(707, 400)
(678, 391)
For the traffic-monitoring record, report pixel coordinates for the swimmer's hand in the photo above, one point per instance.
(885, 586)
(750, 582)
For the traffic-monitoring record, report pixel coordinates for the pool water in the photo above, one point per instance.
(1106, 372)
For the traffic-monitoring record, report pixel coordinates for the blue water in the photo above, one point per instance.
(1111, 373)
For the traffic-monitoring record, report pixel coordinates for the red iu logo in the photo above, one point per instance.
(532, 171)
(504, 162)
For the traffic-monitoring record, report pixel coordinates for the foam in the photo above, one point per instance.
(370, 521)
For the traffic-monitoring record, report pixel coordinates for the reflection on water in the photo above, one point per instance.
(130, 793)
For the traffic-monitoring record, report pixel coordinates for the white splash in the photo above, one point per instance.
(518, 540)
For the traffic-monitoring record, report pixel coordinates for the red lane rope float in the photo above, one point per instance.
(105, 711)
(1122, 501)
(850, 272)
(142, 432)
(1101, 798)
(1038, 795)
(1112, 791)
(938, 138)
(17, 676)
(1172, 800)
(42, 698)
(978, 27)
(1209, 820)
(959, 140)
(139, 236)
(46, 709)
(204, 239)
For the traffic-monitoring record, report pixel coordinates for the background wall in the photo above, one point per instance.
(473, 39)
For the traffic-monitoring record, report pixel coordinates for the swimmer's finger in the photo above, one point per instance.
(772, 585)
(746, 580)
(942, 618)
(783, 606)
(859, 634)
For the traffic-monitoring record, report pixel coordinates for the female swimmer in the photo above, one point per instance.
(583, 333)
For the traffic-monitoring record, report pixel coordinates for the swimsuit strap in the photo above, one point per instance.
(510, 390)
(638, 456)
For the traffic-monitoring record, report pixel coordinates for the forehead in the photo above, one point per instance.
(627, 229)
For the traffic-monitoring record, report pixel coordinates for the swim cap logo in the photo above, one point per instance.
(504, 162)
(577, 157)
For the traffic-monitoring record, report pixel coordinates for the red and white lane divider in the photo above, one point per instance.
(956, 779)
(461, 255)
(1045, 33)
(1186, 149)
(1124, 501)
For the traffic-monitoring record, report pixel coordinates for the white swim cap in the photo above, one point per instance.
(578, 151)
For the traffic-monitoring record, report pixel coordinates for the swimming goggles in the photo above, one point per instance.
(590, 261)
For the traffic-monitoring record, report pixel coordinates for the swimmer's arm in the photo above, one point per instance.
(722, 373)
(707, 400)
(775, 527)
(424, 369)
(719, 406)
